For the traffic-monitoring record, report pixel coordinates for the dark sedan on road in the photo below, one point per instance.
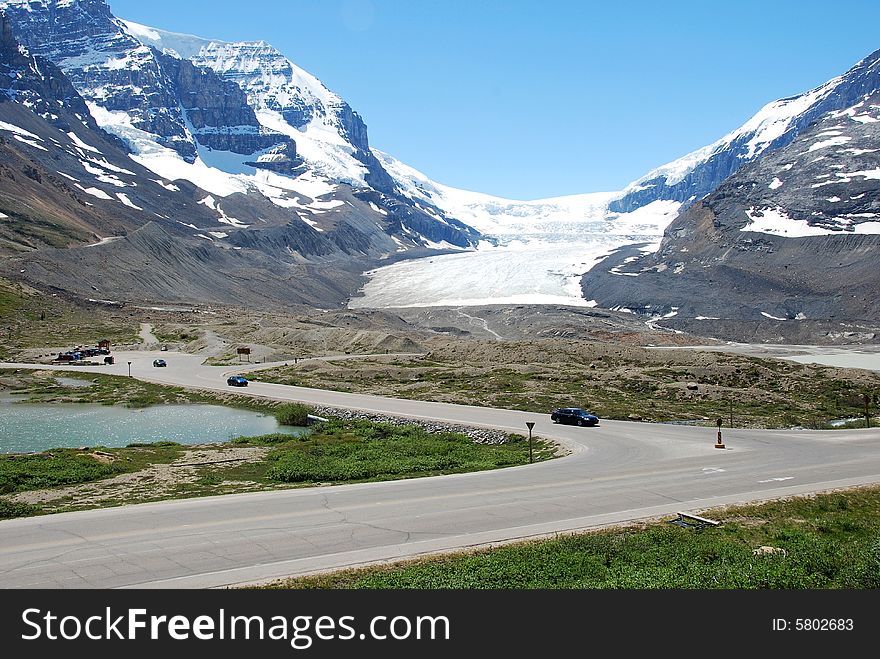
(237, 381)
(574, 415)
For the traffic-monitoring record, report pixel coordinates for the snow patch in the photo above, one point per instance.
(872, 228)
(12, 128)
(167, 186)
(128, 202)
(774, 221)
(382, 211)
(82, 145)
(29, 142)
(101, 175)
(326, 205)
(211, 203)
(96, 192)
(104, 241)
(834, 141)
(311, 223)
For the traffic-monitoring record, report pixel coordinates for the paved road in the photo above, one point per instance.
(615, 473)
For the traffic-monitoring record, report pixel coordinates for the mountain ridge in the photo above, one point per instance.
(235, 148)
(791, 237)
(696, 174)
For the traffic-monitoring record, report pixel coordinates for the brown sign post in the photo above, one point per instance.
(718, 442)
(244, 351)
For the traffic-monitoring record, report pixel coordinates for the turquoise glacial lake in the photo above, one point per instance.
(26, 427)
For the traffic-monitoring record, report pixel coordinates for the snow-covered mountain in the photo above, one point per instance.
(231, 118)
(135, 175)
(778, 123)
(330, 136)
(790, 241)
(232, 147)
(286, 136)
(642, 211)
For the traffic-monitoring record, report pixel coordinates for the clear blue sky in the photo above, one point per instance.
(531, 99)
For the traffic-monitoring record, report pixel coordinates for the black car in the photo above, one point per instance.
(574, 415)
(159, 362)
(237, 381)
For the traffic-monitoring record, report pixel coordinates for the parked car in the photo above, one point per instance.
(237, 381)
(574, 415)
(159, 362)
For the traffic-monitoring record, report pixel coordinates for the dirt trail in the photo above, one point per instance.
(150, 340)
(480, 322)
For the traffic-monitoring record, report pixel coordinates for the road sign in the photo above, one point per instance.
(530, 425)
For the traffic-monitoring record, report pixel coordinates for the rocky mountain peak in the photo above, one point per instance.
(148, 135)
(786, 245)
(107, 66)
(692, 177)
(330, 136)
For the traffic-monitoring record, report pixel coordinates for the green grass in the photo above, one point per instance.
(64, 466)
(335, 452)
(10, 509)
(831, 541)
(341, 451)
(175, 333)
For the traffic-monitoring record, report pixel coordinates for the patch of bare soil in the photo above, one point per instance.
(157, 481)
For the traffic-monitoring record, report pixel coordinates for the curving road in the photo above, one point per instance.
(616, 472)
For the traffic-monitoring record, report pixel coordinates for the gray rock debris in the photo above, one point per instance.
(477, 435)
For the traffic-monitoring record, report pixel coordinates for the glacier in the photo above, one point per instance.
(537, 253)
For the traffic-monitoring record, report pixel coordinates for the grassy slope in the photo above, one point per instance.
(830, 541)
(29, 319)
(612, 381)
(335, 452)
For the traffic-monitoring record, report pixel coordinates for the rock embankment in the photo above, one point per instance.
(477, 435)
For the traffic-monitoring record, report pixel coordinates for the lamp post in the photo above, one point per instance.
(530, 425)
(129, 369)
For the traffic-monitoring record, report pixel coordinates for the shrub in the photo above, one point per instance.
(293, 414)
(10, 509)
(61, 467)
(272, 438)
